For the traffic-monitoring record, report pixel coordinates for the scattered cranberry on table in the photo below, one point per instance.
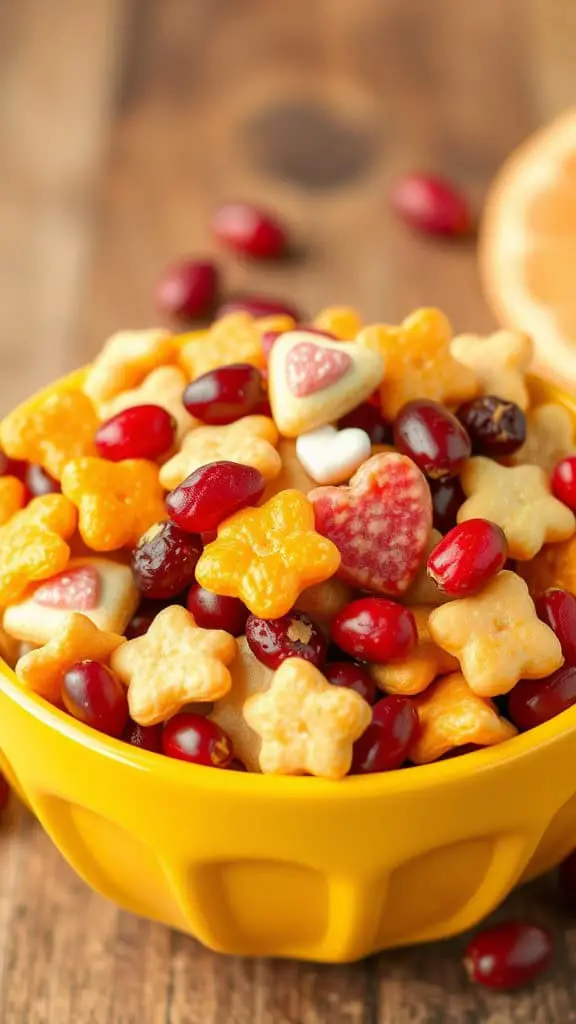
(294, 635)
(447, 497)
(197, 739)
(567, 882)
(557, 608)
(146, 737)
(386, 742)
(369, 418)
(164, 561)
(94, 695)
(508, 955)
(214, 611)
(432, 437)
(141, 432)
(249, 230)
(188, 290)
(535, 701)
(375, 629)
(564, 481)
(468, 557)
(352, 676)
(212, 493)
(258, 306)
(226, 394)
(432, 205)
(495, 427)
(39, 482)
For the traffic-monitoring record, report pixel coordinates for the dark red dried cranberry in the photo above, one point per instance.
(432, 437)
(147, 737)
(225, 394)
(509, 955)
(140, 432)
(212, 493)
(369, 418)
(214, 611)
(294, 635)
(495, 427)
(431, 204)
(447, 497)
(12, 467)
(375, 629)
(564, 481)
(352, 676)
(189, 289)
(385, 744)
(468, 557)
(249, 230)
(93, 694)
(197, 739)
(557, 608)
(534, 701)
(164, 561)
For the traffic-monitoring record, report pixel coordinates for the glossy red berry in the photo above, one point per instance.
(534, 701)
(386, 742)
(447, 497)
(567, 882)
(12, 467)
(141, 432)
(432, 437)
(146, 737)
(258, 306)
(212, 493)
(213, 611)
(93, 694)
(294, 635)
(39, 482)
(375, 629)
(431, 205)
(468, 557)
(495, 427)
(564, 481)
(4, 792)
(226, 394)
(164, 561)
(194, 738)
(557, 608)
(352, 676)
(249, 230)
(508, 955)
(369, 418)
(188, 290)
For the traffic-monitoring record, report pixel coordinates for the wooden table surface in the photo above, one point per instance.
(122, 123)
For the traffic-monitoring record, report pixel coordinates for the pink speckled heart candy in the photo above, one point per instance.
(380, 523)
(74, 590)
(310, 368)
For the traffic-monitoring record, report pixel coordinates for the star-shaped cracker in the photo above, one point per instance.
(418, 362)
(549, 437)
(78, 639)
(414, 673)
(164, 387)
(12, 497)
(497, 636)
(126, 359)
(451, 715)
(173, 664)
(250, 440)
(33, 544)
(307, 726)
(519, 500)
(500, 362)
(235, 338)
(554, 566)
(50, 429)
(249, 676)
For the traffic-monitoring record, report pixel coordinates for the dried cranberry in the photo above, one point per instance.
(188, 290)
(226, 394)
(564, 481)
(258, 306)
(447, 497)
(557, 608)
(12, 467)
(508, 955)
(164, 561)
(369, 418)
(432, 437)
(39, 482)
(468, 557)
(213, 611)
(495, 427)
(249, 230)
(567, 882)
(195, 738)
(93, 694)
(432, 205)
(212, 493)
(353, 677)
(385, 744)
(375, 629)
(141, 432)
(534, 701)
(294, 635)
(147, 737)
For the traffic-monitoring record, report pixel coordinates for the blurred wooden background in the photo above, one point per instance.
(122, 123)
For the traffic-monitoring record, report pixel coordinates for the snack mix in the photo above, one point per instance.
(321, 550)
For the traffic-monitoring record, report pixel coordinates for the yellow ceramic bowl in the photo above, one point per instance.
(296, 867)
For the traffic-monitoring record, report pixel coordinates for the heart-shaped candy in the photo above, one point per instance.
(75, 589)
(330, 456)
(380, 523)
(313, 381)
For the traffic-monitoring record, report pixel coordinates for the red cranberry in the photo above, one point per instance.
(386, 742)
(213, 493)
(375, 629)
(447, 497)
(508, 955)
(226, 394)
(258, 306)
(141, 432)
(164, 561)
(353, 677)
(564, 481)
(431, 205)
(212, 611)
(94, 695)
(197, 739)
(468, 557)
(557, 608)
(249, 230)
(432, 437)
(39, 482)
(495, 427)
(147, 737)
(369, 418)
(188, 290)
(12, 467)
(534, 701)
(567, 882)
(4, 792)
(292, 636)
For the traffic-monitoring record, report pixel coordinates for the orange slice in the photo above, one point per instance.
(528, 245)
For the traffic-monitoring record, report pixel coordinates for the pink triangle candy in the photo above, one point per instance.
(310, 368)
(76, 589)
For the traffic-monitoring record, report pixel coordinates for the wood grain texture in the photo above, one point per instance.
(123, 122)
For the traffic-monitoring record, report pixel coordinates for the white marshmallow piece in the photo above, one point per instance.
(331, 456)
